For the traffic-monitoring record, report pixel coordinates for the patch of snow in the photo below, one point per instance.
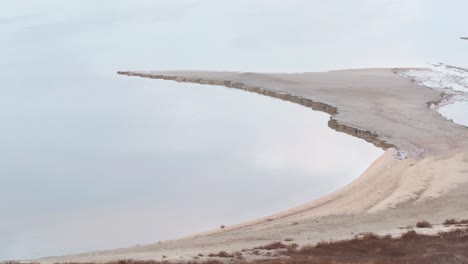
(452, 81)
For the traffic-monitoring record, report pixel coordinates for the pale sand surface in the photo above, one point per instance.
(427, 178)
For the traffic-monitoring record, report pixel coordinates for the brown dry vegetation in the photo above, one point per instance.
(455, 222)
(423, 224)
(275, 245)
(446, 247)
(443, 248)
(221, 254)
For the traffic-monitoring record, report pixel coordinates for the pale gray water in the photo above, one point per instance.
(91, 160)
(115, 161)
(458, 112)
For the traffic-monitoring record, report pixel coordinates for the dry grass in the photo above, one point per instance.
(272, 246)
(221, 254)
(446, 247)
(455, 222)
(411, 247)
(410, 235)
(450, 222)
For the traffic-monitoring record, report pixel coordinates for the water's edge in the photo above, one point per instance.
(450, 80)
(318, 106)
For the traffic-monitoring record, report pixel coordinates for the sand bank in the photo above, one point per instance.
(422, 175)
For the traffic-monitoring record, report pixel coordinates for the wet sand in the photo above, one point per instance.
(422, 175)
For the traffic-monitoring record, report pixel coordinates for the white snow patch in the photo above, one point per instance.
(451, 80)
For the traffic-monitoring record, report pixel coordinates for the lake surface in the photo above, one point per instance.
(92, 160)
(458, 112)
(111, 161)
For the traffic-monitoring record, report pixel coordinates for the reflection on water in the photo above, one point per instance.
(116, 161)
(91, 160)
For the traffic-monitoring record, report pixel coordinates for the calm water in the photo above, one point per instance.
(91, 160)
(458, 112)
(112, 161)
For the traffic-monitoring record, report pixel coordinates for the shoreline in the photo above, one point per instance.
(447, 77)
(453, 116)
(314, 105)
(402, 185)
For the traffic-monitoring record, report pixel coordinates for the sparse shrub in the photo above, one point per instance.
(221, 254)
(222, 226)
(288, 239)
(318, 245)
(458, 234)
(272, 246)
(209, 262)
(410, 235)
(450, 222)
(295, 223)
(370, 236)
(423, 224)
(292, 248)
(238, 254)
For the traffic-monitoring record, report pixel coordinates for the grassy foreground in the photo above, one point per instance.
(442, 248)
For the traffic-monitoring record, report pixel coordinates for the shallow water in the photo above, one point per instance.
(458, 112)
(92, 160)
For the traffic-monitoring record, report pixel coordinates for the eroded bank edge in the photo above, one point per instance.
(318, 106)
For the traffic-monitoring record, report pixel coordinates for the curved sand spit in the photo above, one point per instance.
(427, 178)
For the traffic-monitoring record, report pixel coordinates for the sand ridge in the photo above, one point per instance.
(422, 175)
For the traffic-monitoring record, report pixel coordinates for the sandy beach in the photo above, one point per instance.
(422, 175)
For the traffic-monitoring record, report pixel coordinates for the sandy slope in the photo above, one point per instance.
(427, 178)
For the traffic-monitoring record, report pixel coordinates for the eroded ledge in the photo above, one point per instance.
(318, 106)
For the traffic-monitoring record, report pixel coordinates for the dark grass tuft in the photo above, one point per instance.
(455, 222)
(450, 222)
(423, 224)
(272, 246)
(221, 254)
